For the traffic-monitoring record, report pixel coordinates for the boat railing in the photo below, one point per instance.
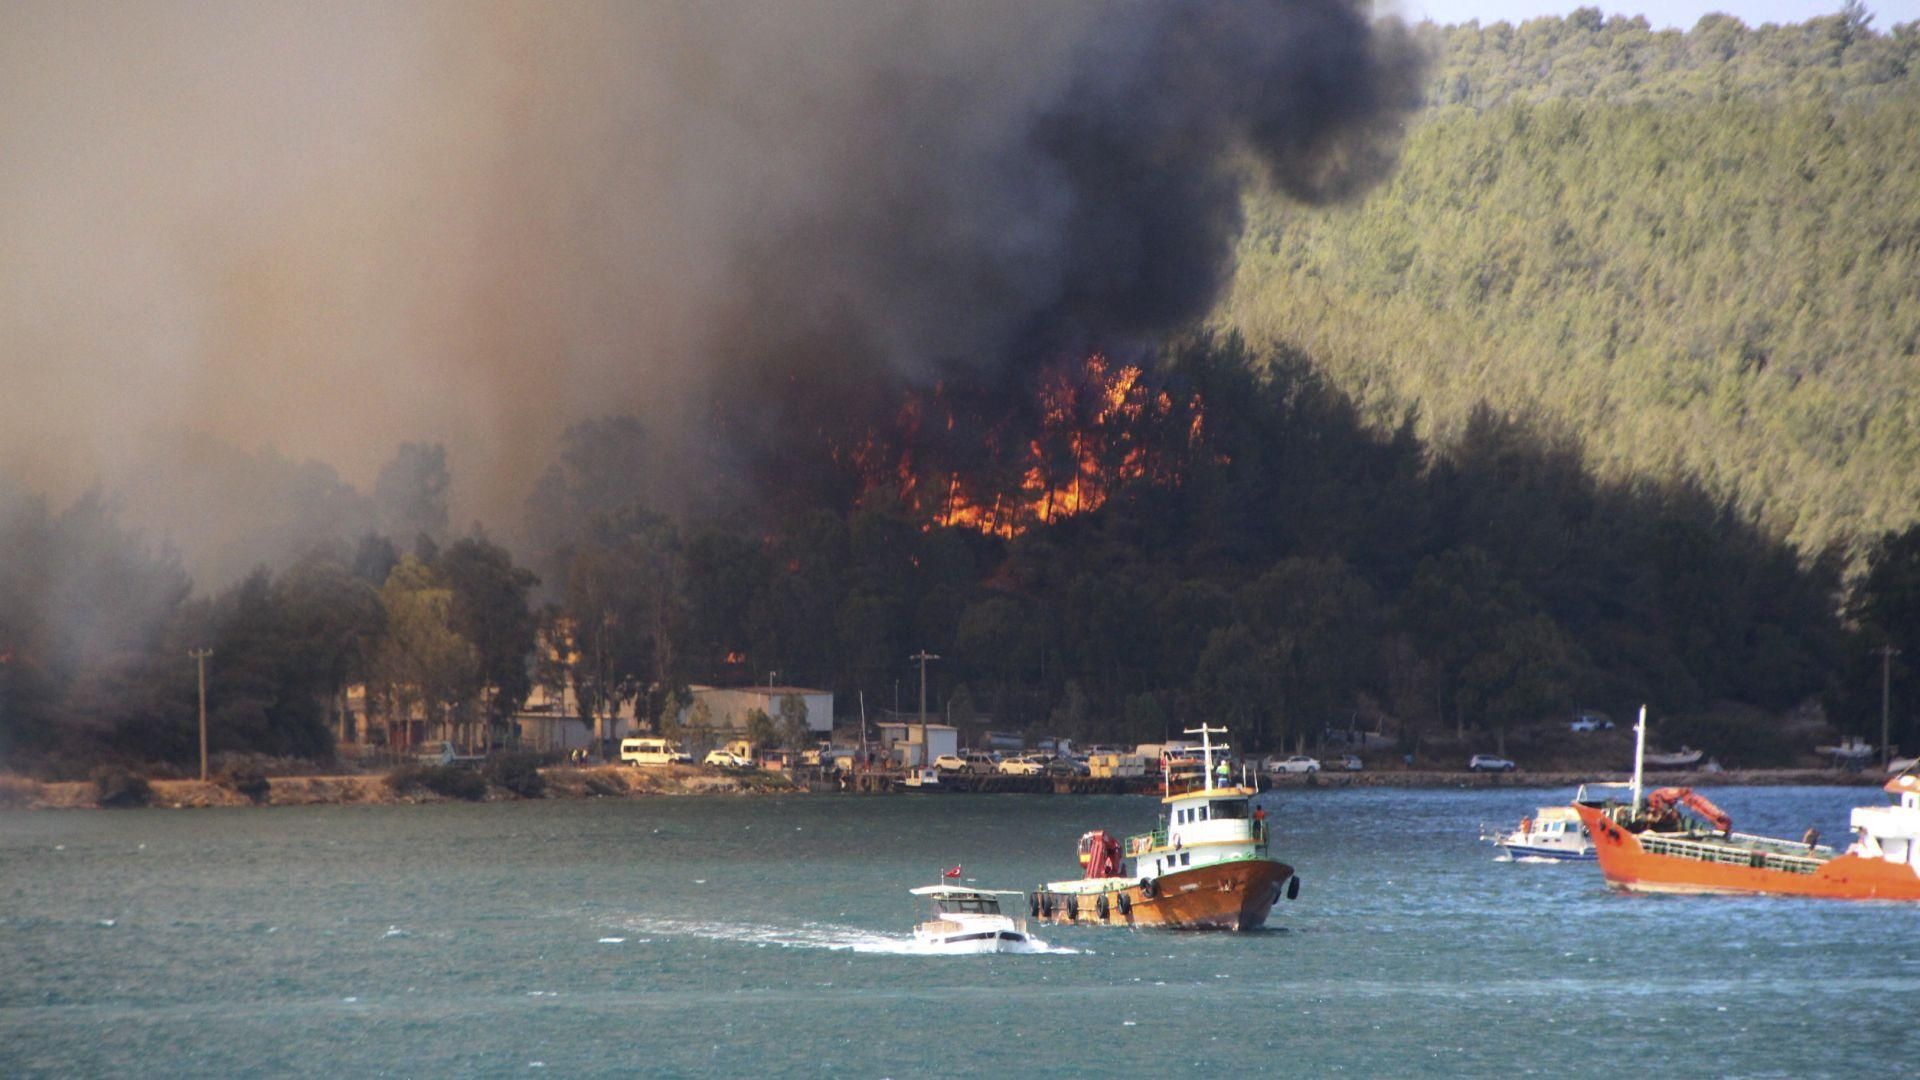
(1769, 857)
(1144, 842)
(1211, 832)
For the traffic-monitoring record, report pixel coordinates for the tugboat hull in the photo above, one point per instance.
(1234, 895)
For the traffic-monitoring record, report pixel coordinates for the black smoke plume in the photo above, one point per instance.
(317, 232)
(984, 221)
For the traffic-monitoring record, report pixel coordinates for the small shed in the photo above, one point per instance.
(918, 744)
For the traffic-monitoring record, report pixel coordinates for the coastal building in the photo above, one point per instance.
(553, 722)
(727, 707)
(915, 743)
(546, 722)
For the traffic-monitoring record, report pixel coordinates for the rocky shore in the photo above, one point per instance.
(560, 782)
(608, 781)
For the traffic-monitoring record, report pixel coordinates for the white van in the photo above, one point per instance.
(652, 752)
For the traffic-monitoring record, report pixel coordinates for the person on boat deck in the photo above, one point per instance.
(1812, 839)
(1526, 826)
(1223, 771)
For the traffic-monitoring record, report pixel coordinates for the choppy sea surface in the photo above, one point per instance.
(772, 937)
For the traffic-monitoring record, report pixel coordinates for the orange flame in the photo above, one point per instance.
(1101, 427)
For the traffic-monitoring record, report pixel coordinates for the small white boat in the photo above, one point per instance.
(969, 921)
(1852, 752)
(1553, 832)
(921, 778)
(1684, 758)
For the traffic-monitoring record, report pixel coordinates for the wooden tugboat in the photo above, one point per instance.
(1205, 867)
(1648, 845)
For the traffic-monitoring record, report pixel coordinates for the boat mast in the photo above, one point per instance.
(1639, 756)
(1206, 751)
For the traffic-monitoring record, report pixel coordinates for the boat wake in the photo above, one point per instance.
(806, 936)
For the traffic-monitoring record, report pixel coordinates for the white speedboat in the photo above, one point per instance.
(1684, 758)
(966, 920)
(1553, 832)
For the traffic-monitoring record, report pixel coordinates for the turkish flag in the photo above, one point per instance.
(954, 873)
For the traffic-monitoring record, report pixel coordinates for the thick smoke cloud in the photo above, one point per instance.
(330, 229)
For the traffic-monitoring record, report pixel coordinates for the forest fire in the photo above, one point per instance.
(1094, 427)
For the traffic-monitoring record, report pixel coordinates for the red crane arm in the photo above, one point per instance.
(1662, 801)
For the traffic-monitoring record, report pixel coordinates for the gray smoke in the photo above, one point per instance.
(332, 229)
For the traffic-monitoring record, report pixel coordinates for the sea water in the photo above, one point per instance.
(733, 936)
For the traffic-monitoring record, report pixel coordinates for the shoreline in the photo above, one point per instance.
(1427, 778)
(617, 781)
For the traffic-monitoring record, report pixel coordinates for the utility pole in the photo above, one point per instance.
(200, 657)
(923, 656)
(1887, 653)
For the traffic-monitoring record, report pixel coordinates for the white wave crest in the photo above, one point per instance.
(805, 936)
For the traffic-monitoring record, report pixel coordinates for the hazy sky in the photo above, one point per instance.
(1681, 14)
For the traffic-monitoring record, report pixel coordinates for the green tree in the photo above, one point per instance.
(422, 660)
(491, 611)
(793, 729)
(761, 730)
(410, 495)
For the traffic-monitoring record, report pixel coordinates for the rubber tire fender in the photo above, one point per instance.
(1293, 887)
(1147, 887)
(1033, 905)
(1126, 906)
(1100, 907)
(1046, 905)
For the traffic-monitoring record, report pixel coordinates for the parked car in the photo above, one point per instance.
(1489, 763)
(980, 764)
(726, 759)
(1022, 766)
(1298, 763)
(950, 763)
(1351, 762)
(1066, 766)
(1590, 722)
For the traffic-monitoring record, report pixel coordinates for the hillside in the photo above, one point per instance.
(1695, 254)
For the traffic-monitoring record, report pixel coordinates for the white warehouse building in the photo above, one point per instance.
(728, 706)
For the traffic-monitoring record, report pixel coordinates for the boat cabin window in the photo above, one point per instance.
(1229, 808)
(983, 905)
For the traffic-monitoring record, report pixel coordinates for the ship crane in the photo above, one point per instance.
(1661, 803)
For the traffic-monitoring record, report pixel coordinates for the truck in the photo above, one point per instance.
(1116, 765)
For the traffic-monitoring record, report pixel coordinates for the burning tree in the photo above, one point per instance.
(953, 459)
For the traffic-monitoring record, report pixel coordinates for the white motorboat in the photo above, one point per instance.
(966, 920)
(921, 778)
(1684, 758)
(1553, 832)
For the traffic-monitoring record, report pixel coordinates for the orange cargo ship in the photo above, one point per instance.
(1650, 845)
(1205, 867)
